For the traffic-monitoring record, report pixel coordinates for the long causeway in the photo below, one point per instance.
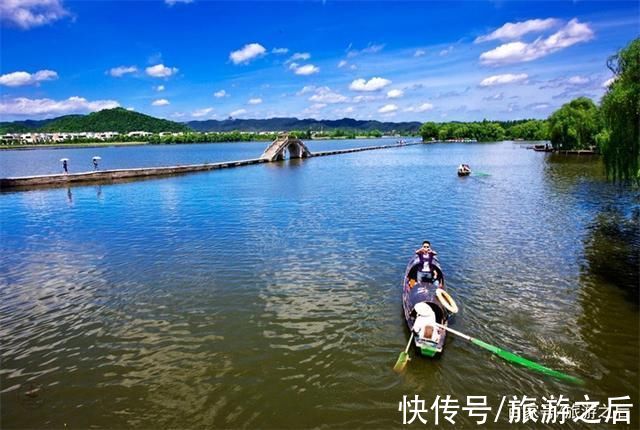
(122, 175)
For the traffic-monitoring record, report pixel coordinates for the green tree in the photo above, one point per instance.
(530, 130)
(620, 144)
(429, 131)
(575, 125)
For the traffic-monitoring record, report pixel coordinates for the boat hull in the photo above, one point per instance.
(416, 292)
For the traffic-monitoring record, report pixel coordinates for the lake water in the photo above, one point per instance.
(268, 296)
(47, 161)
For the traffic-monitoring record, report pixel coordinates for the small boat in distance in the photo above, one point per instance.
(464, 170)
(542, 147)
(426, 303)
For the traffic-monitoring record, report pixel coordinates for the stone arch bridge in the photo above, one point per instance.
(278, 148)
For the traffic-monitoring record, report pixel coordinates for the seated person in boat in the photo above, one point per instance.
(424, 326)
(464, 168)
(426, 272)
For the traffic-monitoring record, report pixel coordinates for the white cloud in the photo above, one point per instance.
(220, 94)
(303, 56)
(420, 53)
(494, 97)
(345, 111)
(160, 102)
(159, 88)
(609, 81)
(371, 49)
(326, 95)
(540, 106)
(507, 78)
(199, 113)
(513, 30)
(44, 107)
(280, 50)
(306, 89)
(238, 112)
(18, 79)
(118, 72)
(578, 80)
(424, 107)
(420, 108)
(172, 2)
(394, 94)
(247, 53)
(342, 63)
(307, 69)
(161, 71)
(314, 109)
(373, 84)
(367, 98)
(517, 52)
(255, 101)
(130, 109)
(388, 108)
(446, 51)
(27, 14)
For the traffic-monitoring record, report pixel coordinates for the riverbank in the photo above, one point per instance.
(71, 145)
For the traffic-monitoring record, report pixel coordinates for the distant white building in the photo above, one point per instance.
(8, 137)
(139, 134)
(108, 135)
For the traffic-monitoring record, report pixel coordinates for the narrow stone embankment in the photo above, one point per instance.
(117, 175)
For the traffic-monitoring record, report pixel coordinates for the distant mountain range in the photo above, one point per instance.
(283, 124)
(124, 121)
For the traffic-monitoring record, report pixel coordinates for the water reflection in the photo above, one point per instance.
(611, 251)
(609, 322)
(268, 296)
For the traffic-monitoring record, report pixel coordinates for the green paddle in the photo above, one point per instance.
(481, 174)
(513, 358)
(403, 358)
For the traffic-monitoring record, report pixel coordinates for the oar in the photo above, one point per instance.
(513, 358)
(403, 358)
(479, 174)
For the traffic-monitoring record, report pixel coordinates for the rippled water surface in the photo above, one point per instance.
(268, 295)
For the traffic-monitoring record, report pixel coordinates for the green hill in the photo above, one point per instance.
(117, 119)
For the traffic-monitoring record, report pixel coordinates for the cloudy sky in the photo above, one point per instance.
(393, 61)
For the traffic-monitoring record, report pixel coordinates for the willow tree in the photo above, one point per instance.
(620, 108)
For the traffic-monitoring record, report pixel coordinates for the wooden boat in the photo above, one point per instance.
(464, 170)
(426, 301)
(543, 147)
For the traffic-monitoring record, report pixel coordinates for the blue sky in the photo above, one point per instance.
(392, 61)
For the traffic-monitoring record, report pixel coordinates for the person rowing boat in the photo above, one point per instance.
(464, 170)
